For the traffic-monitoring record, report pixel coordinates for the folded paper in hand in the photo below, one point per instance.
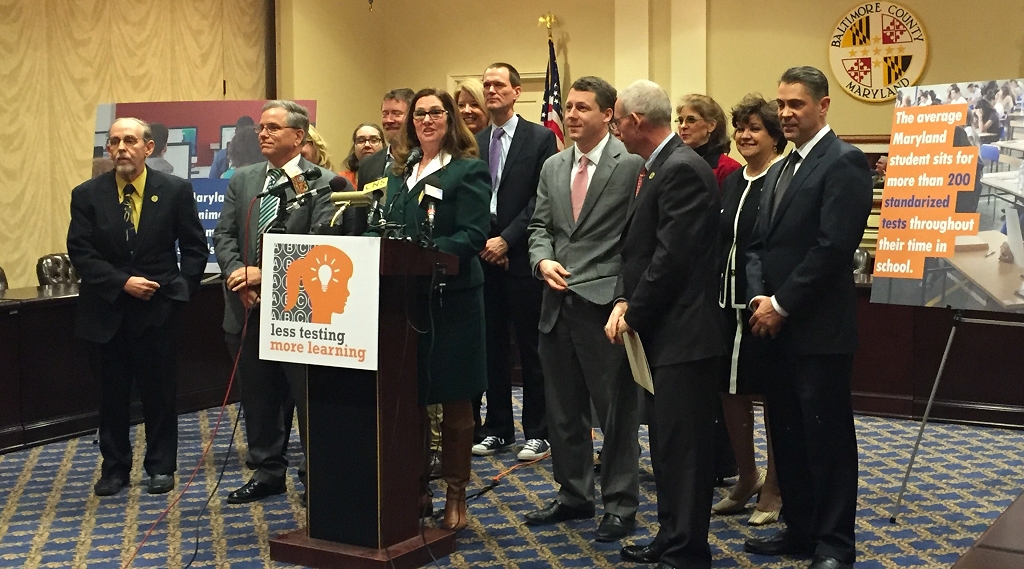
(638, 361)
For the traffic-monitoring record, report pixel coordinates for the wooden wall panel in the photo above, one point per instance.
(59, 59)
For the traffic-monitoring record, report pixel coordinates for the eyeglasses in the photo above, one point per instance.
(271, 128)
(129, 140)
(689, 119)
(613, 125)
(420, 115)
(361, 140)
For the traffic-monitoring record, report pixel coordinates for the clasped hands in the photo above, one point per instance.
(766, 321)
(246, 282)
(617, 325)
(496, 252)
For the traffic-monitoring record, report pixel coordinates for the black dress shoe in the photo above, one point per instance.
(664, 565)
(650, 553)
(782, 542)
(161, 483)
(255, 490)
(109, 486)
(614, 528)
(821, 562)
(558, 512)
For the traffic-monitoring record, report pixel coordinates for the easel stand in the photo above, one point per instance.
(958, 318)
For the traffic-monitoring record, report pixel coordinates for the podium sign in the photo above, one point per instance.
(320, 300)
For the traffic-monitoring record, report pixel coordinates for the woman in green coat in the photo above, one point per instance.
(452, 353)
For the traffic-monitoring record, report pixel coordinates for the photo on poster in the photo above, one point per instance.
(954, 178)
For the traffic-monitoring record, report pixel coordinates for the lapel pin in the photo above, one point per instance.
(153, 199)
(650, 176)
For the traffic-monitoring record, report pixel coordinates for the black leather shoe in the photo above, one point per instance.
(161, 483)
(821, 562)
(614, 528)
(254, 490)
(109, 486)
(782, 542)
(558, 512)
(664, 565)
(650, 553)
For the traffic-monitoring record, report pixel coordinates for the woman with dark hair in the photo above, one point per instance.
(702, 127)
(243, 150)
(453, 367)
(760, 140)
(367, 139)
(987, 118)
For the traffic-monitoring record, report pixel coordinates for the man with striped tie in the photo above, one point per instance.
(121, 240)
(269, 390)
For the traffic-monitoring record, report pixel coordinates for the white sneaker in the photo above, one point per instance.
(491, 445)
(535, 449)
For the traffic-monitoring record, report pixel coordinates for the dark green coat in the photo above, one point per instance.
(456, 346)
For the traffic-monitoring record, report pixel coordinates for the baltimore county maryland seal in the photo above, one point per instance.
(876, 49)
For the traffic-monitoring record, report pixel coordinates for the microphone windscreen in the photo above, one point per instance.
(341, 184)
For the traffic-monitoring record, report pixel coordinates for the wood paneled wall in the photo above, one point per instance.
(60, 58)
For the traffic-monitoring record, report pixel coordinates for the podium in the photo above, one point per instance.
(366, 452)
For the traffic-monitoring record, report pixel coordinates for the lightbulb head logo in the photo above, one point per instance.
(322, 274)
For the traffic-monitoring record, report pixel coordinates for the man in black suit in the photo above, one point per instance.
(667, 293)
(800, 282)
(121, 240)
(515, 150)
(268, 389)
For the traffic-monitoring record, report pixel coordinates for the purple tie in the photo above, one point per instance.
(494, 155)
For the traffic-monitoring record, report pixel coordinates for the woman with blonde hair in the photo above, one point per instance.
(472, 105)
(314, 149)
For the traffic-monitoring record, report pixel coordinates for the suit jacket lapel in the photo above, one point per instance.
(603, 172)
(561, 189)
(111, 209)
(252, 188)
(651, 175)
(150, 204)
(807, 166)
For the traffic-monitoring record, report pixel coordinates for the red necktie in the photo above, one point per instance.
(579, 188)
(640, 180)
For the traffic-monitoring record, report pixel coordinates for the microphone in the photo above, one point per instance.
(364, 197)
(285, 182)
(432, 195)
(414, 156)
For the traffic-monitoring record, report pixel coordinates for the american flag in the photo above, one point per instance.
(551, 114)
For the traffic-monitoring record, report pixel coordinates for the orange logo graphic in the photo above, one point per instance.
(323, 273)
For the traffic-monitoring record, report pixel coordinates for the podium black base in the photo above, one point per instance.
(297, 548)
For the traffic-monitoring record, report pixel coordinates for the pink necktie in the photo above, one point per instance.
(579, 188)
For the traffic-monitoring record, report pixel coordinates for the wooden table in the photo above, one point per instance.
(998, 280)
(47, 390)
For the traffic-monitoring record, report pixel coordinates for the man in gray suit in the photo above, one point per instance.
(582, 198)
(269, 389)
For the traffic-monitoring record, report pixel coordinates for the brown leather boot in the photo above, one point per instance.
(456, 461)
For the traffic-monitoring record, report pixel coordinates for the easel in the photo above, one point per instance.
(958, 318)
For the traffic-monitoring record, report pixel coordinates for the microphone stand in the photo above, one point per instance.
(281, 219)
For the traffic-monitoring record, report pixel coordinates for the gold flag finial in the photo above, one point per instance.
(547, 20)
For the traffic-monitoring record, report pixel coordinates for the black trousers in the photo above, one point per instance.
(270, 391)
(815, 447)
(149, 358)
(681, 423)
(515, 300)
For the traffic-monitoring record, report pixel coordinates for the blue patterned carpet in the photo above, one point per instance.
(965, 477)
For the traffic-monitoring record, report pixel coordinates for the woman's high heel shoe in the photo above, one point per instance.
(728, 505)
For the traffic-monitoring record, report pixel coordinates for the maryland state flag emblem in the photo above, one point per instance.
(895, 67)
(858, 34)
(876, 49)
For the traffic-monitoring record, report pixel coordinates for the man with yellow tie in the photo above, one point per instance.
(121, 240)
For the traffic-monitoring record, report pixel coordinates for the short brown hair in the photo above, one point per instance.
(709, 110)
(754, 105)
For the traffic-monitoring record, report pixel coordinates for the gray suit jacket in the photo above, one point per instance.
(231, 230)
(589, 247)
